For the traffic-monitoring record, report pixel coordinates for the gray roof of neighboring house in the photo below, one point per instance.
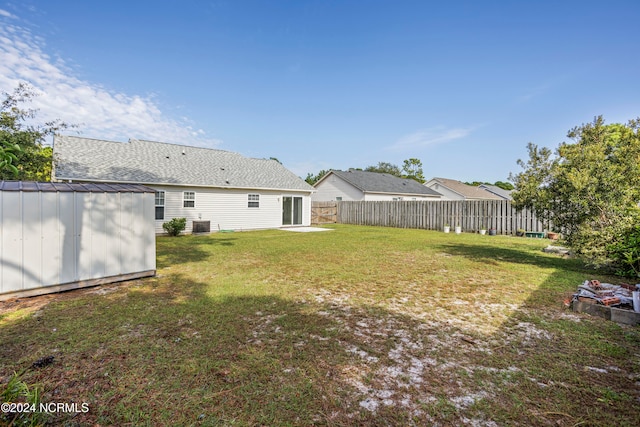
(374, 182)
(468, 191)
(501, 192)
(147, 162)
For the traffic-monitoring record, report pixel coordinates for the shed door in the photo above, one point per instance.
(291, 210)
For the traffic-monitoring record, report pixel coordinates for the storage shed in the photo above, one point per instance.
(60, 236)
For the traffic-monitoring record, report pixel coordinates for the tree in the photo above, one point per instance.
(312, 179)
(500, 184)
(385, 167)
(23, 154)
(504, 185)
(413, 170)
(589, 190)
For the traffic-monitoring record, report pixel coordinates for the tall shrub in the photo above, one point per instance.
(589, 190)
(175, 226)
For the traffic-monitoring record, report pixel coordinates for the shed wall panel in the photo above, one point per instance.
(98, 235)
(32, 240)
(113, 234)
(148, 232)
(83, 209)
(12, 254)
(136, 249)
(51, 238)
(126, 209)
(69, 239)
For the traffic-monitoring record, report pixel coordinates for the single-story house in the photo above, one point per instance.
(356, 185)
(456, 190)
(213, 189)
(500, 192)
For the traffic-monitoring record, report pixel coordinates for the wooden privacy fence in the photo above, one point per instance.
(324, 212)
(471, 215)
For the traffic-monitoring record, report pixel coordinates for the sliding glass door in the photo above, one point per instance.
(291, 210)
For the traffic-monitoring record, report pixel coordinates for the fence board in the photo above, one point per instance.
(324, 212)
(472, 215)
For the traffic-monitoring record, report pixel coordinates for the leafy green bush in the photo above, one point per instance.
(589, 190)
(626, 253)
(175, 226)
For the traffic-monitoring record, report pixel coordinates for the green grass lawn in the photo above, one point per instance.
(354, 326)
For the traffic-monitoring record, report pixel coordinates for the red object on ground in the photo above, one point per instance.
(610, 300)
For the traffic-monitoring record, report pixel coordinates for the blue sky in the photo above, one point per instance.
(461, 85)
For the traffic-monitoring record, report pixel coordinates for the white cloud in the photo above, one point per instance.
(6, 14)
(99, 112)
(427, 137)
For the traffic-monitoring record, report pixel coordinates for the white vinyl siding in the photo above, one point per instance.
(446, 193)
(333, 187)
(227, 208)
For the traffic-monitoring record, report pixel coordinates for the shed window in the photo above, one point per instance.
(254, 201)
(160, 205)
(189, 199)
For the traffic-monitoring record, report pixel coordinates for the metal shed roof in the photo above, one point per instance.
(63, 187)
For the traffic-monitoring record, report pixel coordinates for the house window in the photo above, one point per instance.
(254, 201)
(160, 205)
(338, 198)
(189, 198)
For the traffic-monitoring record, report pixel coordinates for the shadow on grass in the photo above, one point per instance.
(167, 353)
(171, 352)
(522, 255)
(172, 251)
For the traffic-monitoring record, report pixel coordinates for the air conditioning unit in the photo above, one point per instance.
(201, 227)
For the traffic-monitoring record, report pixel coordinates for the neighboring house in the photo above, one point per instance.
(214, 189)
(360, 185)
(456, 190)
(500, 192)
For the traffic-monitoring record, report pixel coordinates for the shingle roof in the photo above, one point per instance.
(374, 182)
(500, 192)
(148, 162)
(468, 191)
